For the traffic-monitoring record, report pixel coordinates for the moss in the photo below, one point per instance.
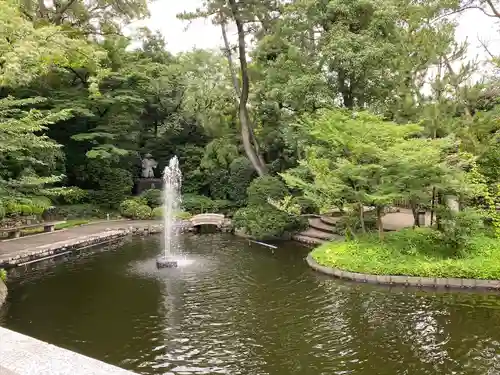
(413, 253)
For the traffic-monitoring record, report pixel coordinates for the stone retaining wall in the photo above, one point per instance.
(404, 280)
(3, 293)
(77, 243)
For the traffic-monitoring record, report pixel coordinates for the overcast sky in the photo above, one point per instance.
(184, 36)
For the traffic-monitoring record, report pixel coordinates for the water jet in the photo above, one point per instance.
(172, 179)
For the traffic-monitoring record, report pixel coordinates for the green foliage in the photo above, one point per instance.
(77, 211)
(181, 215)
(153, 197)
(135, 209)
(266, 222)
(457, 229)
(2, 212)
(196, 204)
(3, 275)
(306, 205)
(241, 174)
(418, 252)
(68, 195)
(115, 186)
(263, 188)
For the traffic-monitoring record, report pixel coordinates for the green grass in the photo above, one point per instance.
(413, 253)
(67, 224)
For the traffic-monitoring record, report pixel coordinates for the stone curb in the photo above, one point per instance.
(3, 294)
(436, 282)
(76, 243)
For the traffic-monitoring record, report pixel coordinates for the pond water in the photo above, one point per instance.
(246, 309)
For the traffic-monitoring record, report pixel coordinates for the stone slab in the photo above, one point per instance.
(24, 355)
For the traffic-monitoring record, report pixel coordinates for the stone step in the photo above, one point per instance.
(318, 224)
(314, 233)
(330, 220)
(308, 240)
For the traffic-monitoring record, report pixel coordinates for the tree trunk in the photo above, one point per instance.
(245, 122)
(380, 225)
(362, 218)
(414, 211)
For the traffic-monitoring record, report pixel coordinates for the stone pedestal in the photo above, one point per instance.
(143, 184)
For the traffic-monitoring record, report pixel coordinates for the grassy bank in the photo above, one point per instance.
(413, 253)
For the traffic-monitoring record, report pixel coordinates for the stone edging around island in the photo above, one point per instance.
(435, 282)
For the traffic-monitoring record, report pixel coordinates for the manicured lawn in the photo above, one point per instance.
(67, 224)
(413, 253)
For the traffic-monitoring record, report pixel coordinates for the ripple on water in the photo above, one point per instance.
(236, 308)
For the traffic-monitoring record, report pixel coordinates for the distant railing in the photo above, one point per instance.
(208, 219)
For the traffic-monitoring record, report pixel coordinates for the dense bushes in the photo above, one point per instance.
(135, 209)
(197, 204)
(152, 197)
(266, 222)
(307, 206)
(266, 187)
(114, 187)
(76, 211)
(241, 174)
(181, 215)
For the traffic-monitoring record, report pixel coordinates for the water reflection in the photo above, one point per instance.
(244, 309)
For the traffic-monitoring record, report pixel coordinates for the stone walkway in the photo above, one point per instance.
(12, 248)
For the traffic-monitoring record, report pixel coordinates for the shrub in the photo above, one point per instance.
(153, 197)
(115, 186)
(219, 184)
(2, 211)
(3, 274)
(266, 187)
(134, 209)
(128, 207)
(157, 212)
(241, 174)
(142, 212)
(76, 211)
(68, 195)
(265, 222)
(457, 229)
(307, 206)
(196, 204)
(12, 208)
(26, 209)
(182, 215)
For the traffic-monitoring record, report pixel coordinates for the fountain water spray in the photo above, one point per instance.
(172, 180)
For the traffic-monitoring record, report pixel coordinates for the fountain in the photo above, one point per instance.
(172, 179)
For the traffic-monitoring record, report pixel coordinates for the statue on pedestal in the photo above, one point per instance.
(148, 164)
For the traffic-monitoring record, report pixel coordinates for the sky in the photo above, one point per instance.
(184, 36)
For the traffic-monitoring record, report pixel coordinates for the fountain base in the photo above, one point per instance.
(165, 262)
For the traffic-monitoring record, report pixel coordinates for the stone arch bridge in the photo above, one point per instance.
(218, 220)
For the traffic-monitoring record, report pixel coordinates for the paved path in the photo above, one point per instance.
(11, 248)
(401, 219)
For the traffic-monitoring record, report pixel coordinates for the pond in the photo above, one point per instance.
(242, 308)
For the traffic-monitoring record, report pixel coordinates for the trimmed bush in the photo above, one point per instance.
(2, 211)
(157, 212)
(266, 187)
(142, 212)
(265, 222)
(134, 209)
(153, 197)
(196, 204)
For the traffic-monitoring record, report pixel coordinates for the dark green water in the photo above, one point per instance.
(241, 309)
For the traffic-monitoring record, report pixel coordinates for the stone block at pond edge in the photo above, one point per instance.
(413, 280)
(400, 280)
(382, 279)
(428, 281)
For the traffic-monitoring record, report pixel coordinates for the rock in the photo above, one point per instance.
(3, 292)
